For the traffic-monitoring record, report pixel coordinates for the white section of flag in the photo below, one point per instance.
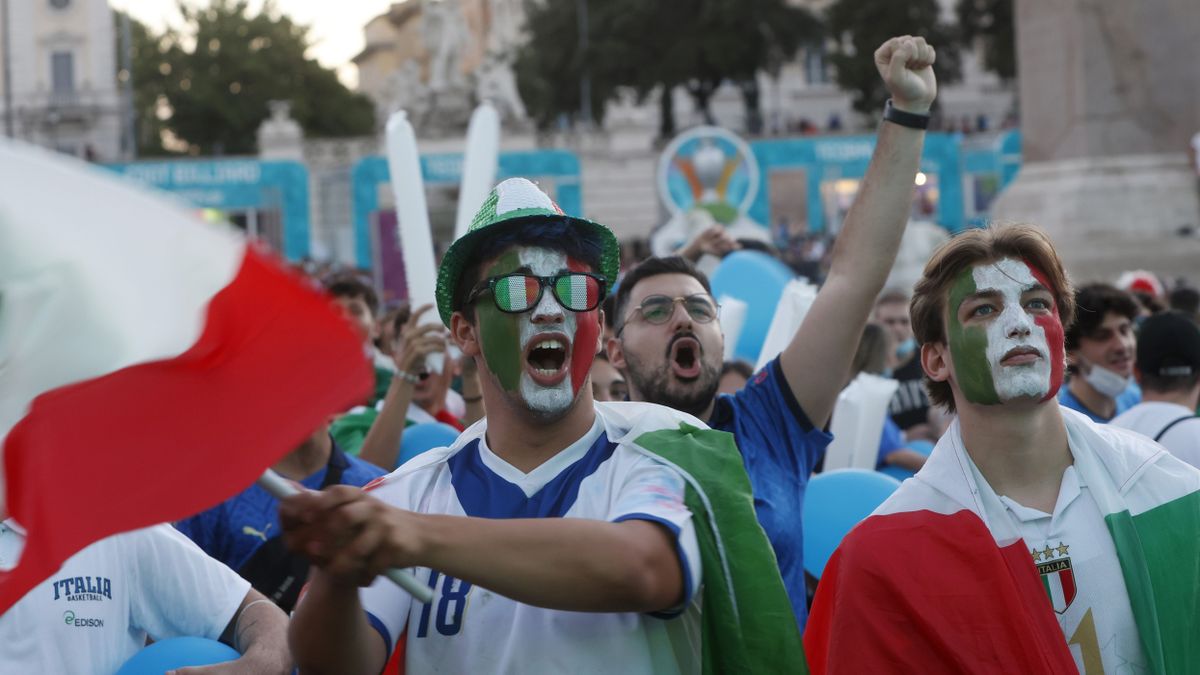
(64, 316)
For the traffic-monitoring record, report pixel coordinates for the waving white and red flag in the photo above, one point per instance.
(151, 365)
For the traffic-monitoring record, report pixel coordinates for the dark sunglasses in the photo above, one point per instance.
(517, 293)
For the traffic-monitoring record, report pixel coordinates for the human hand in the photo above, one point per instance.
(906, 65)
(713, 240)
(349, 534)
(415, 342)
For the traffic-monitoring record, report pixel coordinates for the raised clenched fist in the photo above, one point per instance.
(906, 65)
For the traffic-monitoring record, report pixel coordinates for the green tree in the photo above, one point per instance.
(655, 46)
(858, 27)
(221, 70)
(145, 61)
(992, 23)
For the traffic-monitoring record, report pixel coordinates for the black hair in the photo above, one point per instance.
(352, 287)
(737, 366)
(557, 234)
(1092, 303)
(1185, 299)
(652, 267)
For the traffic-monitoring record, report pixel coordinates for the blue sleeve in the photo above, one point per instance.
(890, 440)
(360, 472)
(770, 425)
(199, 528)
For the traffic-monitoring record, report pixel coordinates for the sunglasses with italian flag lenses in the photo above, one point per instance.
(517, 293)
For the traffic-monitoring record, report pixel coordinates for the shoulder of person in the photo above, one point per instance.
(627, 420)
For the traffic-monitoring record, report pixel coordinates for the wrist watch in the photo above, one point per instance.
(905, 119)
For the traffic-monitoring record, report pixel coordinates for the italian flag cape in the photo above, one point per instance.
(748, 624)
(937, 580)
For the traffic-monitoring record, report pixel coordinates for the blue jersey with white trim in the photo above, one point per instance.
(781, 448)
(469, 629)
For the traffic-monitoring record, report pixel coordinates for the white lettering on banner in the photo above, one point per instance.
(842, 151)
(154, 174)
(210, 174)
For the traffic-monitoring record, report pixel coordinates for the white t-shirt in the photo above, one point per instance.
(1149, 418)
(1074, 554)
(474, 630)
(95, 612)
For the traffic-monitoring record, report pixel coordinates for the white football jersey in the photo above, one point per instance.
(96, 611)
(468, 629)
(1077, 562)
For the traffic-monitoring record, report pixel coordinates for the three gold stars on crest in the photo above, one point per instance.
(1049, 552)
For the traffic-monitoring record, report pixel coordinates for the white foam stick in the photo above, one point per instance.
(416, 242)
(794, 302)
(281, 488)
(733, 318)
(479, 165)
(857, 422)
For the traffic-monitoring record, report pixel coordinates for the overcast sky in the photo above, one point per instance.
(337, 25)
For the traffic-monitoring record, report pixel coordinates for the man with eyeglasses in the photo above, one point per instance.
(555, 532)
(669, 341)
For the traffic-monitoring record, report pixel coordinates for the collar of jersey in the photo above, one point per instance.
(533, 481)
(489, 487)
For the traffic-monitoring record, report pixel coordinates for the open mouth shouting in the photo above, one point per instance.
(683, 354)
(1021, 356)
(547, 357)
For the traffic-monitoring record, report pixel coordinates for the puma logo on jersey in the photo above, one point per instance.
(246, 529)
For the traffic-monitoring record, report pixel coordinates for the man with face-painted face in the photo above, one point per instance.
(1034, 539)
(669, 342)
(554, 531)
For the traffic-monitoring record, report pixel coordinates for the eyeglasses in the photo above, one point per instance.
(658, 309)
(517, 293)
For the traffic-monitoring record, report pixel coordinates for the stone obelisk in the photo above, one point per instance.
(1110, 97)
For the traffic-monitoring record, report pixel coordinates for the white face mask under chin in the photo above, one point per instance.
(1106, 381)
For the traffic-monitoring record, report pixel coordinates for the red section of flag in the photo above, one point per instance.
(160, 441)
(921, 592)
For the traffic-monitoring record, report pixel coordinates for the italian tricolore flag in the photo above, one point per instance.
(936, 581)
(151, 364)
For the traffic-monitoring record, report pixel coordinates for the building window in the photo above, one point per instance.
(62, 72)
(60, 4)
(816, 69)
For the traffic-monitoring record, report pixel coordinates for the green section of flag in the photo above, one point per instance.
(1159, 552)
(748, 624)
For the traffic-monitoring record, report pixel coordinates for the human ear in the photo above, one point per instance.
(935, 361)
(464, 334)
(616, 353)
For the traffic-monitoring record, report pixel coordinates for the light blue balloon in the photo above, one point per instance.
(178, 652)
(833, 504)
(756, 279)
(425, 436)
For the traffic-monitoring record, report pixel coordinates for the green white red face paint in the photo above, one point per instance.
(510, 340)
(1004, 334)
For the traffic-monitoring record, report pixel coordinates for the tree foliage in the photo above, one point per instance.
(218, 73)
(992, 22)
(858, 27)
(654, 46)
(144, 69)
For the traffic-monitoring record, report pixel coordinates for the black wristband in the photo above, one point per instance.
(905, 119)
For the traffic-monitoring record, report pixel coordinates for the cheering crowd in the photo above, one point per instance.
(620, 500)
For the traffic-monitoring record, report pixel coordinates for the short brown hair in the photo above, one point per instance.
(974, 247)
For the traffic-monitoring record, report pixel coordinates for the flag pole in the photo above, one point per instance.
(280, 488)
